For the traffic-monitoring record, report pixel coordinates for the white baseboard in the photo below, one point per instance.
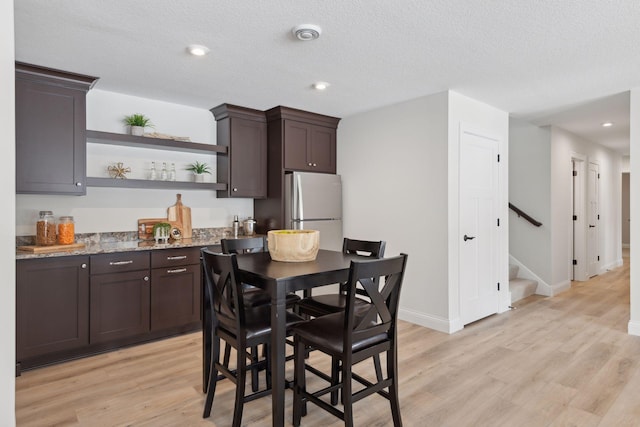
(617, 263)
(634, 327)
(560, 287)
(432, 322)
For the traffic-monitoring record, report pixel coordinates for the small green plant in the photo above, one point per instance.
(138, 120)
(199, 168)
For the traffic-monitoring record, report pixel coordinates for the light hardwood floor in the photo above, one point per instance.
(562, 361)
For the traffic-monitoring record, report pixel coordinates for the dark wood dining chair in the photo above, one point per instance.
(252, 296)
(237, 325)
(352, 336)
(321, 305)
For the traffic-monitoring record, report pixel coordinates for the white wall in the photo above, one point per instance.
(399, 168)
(634, 142)
(393, 161)
(7, 235)
(530, 190)
(111, 209)
(492, 122)
(563, 144)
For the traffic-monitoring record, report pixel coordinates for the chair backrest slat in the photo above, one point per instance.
(381, 314)
(243, 246)
(223, 293)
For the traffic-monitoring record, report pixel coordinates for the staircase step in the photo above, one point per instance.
(513, 271)
(521, 288)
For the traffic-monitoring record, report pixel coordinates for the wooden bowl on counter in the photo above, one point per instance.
(293, 245)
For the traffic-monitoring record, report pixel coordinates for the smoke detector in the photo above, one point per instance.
(306, 32)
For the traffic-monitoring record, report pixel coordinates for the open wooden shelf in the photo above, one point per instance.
(99, 137)
(144, 183)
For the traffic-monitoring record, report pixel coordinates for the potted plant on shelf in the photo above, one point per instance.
(199, 169)
(137, 123)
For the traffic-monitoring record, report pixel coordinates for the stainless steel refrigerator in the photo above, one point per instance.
(313, 201)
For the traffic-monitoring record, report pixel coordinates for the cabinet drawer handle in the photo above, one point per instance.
(177, 270)
(235, 189)
(78, 184)
(121, 262)
(171, 258)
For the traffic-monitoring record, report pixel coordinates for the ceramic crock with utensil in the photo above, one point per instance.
(249, 226)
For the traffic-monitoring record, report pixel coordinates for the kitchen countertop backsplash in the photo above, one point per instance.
(96, 243)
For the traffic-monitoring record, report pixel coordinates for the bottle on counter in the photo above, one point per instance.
(172, 172)
(66, 230)
(236, 226)
(153, 175)
(46, 229)
(163, 174)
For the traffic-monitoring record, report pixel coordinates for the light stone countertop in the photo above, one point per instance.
(126, 246)
(103, 243)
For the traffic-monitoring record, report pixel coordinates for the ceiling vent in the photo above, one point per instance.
(306, 32)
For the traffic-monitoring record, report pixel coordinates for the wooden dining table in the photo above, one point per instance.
(279, 278)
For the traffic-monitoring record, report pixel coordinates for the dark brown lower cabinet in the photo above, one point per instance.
(175, 296)
(52, 305)
(119, 305)
(74, 306)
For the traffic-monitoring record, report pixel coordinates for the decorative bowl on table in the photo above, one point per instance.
(293, 245)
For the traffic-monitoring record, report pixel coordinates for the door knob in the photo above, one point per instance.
(468, 237)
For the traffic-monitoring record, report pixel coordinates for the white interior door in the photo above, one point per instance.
(479, 196)
(593, 219)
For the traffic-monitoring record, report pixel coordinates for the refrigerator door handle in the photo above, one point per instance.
(298, 205)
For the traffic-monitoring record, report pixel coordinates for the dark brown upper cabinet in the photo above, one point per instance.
(50, 130)
(308, 140)
(244, 132)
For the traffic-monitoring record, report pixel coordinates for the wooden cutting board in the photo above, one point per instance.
(53, 248)
(182, 215)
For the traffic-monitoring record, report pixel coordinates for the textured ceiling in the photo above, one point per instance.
(533, 59)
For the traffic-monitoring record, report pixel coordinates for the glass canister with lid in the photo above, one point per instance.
(45, 229)
(66, 230)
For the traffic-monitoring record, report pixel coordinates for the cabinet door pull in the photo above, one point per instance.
(235, 189)
(83, 265)
(121, 262)
(309, 164)
(177, 270)
(171, 258)
(145, 278)
(315, 164)
(78, 184)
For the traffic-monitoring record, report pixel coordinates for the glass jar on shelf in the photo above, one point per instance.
(66, 230)
(45, 229)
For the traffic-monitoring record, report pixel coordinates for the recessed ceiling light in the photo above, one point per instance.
(306, 32)
(320, 85)
(197, 49)
(607, 124)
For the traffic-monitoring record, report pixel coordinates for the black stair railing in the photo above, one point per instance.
(524, 215)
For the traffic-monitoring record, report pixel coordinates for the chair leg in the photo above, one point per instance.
(241, 377)
(347, 398)
(335, 379)
(298, 381)
(227, 355)
(213, 377)
(392, 372)
(378, 367)
(255, 381)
